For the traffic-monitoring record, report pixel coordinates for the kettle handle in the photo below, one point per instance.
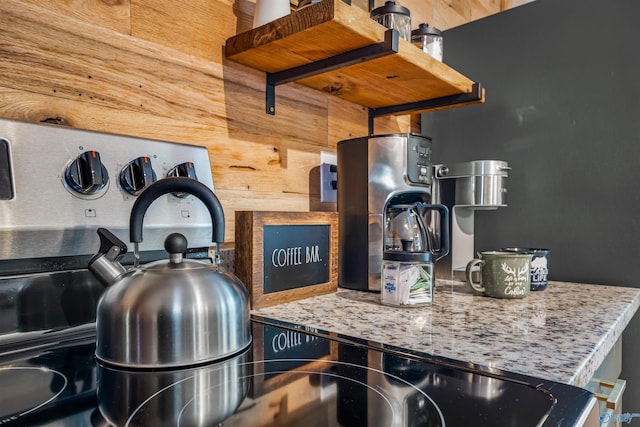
(178, 184)
(444, 227)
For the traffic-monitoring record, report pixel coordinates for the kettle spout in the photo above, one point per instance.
(104, 265)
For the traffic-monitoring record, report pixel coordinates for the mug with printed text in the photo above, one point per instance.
(502, 274)
(539, 265)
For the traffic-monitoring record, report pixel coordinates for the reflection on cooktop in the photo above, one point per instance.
(288, 377)
(47, 386)
(35, 388)
(306, 390)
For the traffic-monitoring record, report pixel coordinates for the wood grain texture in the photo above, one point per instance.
(195, 27)
(452, 13)
(331, 27)
(249, 257)
(100, 80)
(111, 14)
(155, 69)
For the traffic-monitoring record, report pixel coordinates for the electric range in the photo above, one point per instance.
(58, 185)
(290, 376)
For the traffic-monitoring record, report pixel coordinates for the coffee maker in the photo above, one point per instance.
(375, 175)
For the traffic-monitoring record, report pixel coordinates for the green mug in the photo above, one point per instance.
(502, 274)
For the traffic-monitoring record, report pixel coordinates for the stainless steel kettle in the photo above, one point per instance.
(168, 313)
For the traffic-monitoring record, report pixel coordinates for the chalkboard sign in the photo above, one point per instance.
(295, 256)
(286, 256)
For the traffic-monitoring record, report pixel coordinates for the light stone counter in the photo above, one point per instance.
(562, 333)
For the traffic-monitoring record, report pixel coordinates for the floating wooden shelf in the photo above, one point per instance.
(333, 47)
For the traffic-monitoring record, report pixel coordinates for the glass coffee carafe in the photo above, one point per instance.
(406, 229)
(411, 246)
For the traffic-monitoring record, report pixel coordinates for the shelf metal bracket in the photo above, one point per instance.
(461, 98)
(377, 50)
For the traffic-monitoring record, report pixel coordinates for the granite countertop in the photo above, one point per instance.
(561, 334)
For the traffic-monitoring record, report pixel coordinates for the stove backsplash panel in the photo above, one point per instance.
(60, 184)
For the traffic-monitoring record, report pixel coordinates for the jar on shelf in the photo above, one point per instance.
(429, 40)
(395, 17)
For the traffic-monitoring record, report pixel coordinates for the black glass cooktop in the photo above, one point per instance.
(290, 376)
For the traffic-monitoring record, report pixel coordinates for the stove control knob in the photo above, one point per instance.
(183, 169)
(137, 175)
(86, 174)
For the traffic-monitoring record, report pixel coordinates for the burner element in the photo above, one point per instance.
(351, 394)
(31, 389)
(204, 395)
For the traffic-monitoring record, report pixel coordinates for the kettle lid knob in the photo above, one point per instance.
(176, 244)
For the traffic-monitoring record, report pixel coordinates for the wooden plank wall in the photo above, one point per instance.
(156, 69)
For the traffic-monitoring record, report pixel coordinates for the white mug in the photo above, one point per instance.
(269, 10)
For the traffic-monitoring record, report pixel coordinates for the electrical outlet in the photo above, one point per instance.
(328, 183)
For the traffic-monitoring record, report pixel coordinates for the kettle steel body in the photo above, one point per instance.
(168, 313)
